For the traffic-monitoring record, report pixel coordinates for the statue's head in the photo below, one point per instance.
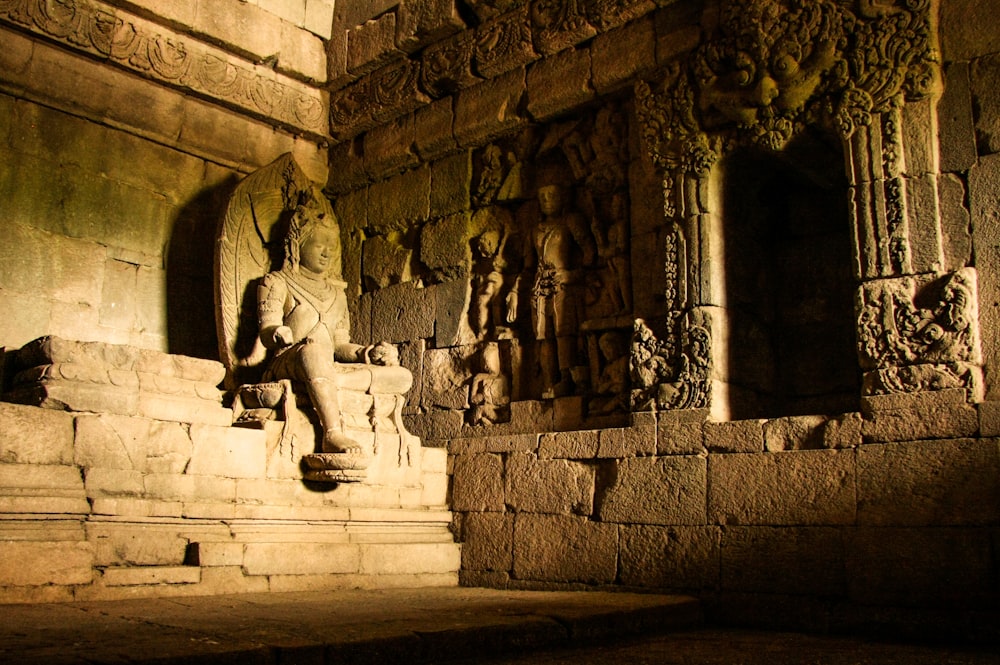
(313, 239)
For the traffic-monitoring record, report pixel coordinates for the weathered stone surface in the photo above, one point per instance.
(580, 444)
(679, 498)
(921, 423)
(956, 232)
(488, 541)
(956, 131)
(477, 483)
(504, 43)
(939, 483)
(899, 566)
(444, 245)
(984, 195)
(309, 558)
(962, 34)
(490, 109)
(144, 545)
(497, 443)
(435, 425)
(33, 563)
(451, 180)
(558, 548)
(372, 44)
(35, 436)
(227, 452)
(211, 554)
(409, 558)
(446, 375)
(812, 487)
(149, 575)
(626, 441)
(784, 560)
(738, 436)
(842, 431)
(388, 149)
(41, 489)
(794, 433)
(677, 438)
(451, 302)
(623, 54)
(678, 30)
(397, 203)
(433, 128)
(675, 557)
(548, 486)
(402, 312)
(989, 418)
(559, 83)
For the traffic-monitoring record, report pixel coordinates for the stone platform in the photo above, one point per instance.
(384, 626)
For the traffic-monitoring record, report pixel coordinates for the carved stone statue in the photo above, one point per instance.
(284, 337)
(611, 387)
(558, 239)
(304, 321)
(489, 392)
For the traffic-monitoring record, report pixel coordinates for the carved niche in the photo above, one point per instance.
(861, 70)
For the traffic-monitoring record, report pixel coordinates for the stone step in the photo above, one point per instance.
(359, 626)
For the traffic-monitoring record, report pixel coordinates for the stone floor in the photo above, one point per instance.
(421, 626)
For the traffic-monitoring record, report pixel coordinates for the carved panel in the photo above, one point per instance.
(157, 53)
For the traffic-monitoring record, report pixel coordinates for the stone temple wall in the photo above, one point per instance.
(433, 123)
(874, 509)
(124, 127)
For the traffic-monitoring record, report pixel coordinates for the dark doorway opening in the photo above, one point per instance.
(788, 279)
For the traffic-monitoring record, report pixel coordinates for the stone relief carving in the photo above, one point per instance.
(503, 43)
(769, 69)
(667, 375)
(919, 333)
(283, 320)
(150, 50)
(489, 390)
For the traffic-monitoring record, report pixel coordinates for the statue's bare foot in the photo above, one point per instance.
(338, 442)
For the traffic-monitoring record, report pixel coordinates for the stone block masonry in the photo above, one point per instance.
(134, 483)
(818, 519)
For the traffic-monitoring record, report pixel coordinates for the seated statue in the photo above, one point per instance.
(304, 322)
(282, 314)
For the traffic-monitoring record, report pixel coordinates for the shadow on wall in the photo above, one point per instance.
(191, 273)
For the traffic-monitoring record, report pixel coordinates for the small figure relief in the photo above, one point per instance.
(559, 251)
(613, 250)
(611, 389)
(489, 391)
(491, 265)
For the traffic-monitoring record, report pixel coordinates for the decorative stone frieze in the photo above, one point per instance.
(152, 51)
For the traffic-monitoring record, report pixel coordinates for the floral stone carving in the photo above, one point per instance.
(283, 319)
(920, 333)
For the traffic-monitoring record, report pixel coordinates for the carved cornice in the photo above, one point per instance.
(154, 52)
(771, 67)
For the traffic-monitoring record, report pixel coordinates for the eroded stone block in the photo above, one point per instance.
(678, 438)
(677, 557)
(478, 483)
(559, 83)
(559, 548)
(490, 109)
(38, 563)
(548, 486)
(813, 487)
(621, 55)
(488, 541)
(738, 436)
(35, 436)
(784, 560)
(227, 452)
(951, 482)
(679, 498)
(579, 444)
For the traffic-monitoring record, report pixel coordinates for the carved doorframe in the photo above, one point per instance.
(867, 70)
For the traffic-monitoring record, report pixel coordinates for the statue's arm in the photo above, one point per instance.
(271, 296)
